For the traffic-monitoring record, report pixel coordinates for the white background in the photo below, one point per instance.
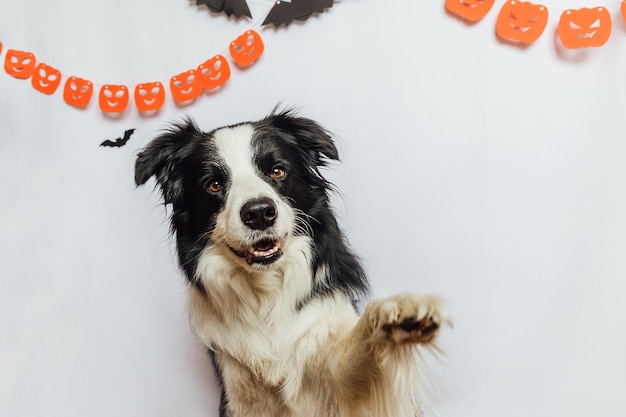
(490, 174)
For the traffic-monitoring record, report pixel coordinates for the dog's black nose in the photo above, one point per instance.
(259, 214)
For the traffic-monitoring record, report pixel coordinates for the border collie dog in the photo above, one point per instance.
(274, 288)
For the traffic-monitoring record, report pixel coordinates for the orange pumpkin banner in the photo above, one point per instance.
(517, 22)
(247, 48)
(521, 21)
(584, 27)
(471, 10)
(148, 96)
(45, 79)
(19, 64)
(77, 91)
(186, 86)
(113, 98)
(214, 72)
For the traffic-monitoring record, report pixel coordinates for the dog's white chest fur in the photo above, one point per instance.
(263, 341)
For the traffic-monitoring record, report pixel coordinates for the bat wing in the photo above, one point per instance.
(110, 143)
(237, 8)
(127, 134)
(284, 13)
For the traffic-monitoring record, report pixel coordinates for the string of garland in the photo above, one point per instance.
(517, 22)
(524, 22)
(149, 97)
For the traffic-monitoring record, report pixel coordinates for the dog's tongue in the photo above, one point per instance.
(265, 251)
(264, 245)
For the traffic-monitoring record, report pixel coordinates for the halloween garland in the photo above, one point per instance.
(185, 87)
(518, 22)
(521, 22)
(149, 97)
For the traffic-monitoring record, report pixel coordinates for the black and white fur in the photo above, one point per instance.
(274, 286)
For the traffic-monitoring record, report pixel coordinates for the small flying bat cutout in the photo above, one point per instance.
(284, 13)
(235, 8)
(119, 142)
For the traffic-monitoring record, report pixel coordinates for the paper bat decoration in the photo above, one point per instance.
(284, 13)
(119, 142)
(235, 8)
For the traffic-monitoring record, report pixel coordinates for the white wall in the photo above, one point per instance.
(489, 174)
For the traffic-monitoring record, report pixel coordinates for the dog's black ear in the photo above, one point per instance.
(161, 156)
(309, 134)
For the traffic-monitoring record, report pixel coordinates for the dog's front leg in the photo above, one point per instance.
(374, 364)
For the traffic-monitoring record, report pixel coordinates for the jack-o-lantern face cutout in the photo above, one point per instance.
(113, 98)
(77, 91)
(19, 64)
(149, 96)
(46, 79)
(247, 48)
(584, 27)
(472, 10)
(214, 72)
(521, 21)
(186, 86)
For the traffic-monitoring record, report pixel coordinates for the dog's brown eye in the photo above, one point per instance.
(215, 186)
(278, 173)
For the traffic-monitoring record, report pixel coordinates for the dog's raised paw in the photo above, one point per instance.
(406, 318)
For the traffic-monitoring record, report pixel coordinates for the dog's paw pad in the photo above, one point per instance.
(407, 318)
(412, 330)
(425, 325)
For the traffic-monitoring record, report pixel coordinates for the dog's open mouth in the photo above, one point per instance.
(263, 252)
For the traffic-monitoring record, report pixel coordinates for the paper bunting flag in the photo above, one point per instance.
(45, 79)
(186, 86)
(584, 27)
(149, 96)
(521, 21)
(237, 8)
(283, 13)
(77, 91)
(471, 10)
(247, 48)
(113, 98)
(214, 72)
(19, 64)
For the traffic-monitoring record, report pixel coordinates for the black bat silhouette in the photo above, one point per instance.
(284, 13)
(235, 8)
(119, 142)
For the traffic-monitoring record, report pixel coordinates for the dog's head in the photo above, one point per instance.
(245, 190)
